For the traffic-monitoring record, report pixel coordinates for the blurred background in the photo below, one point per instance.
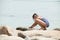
(15, 13)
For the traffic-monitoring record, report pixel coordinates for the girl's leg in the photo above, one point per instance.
(41, 23)
(42, 28)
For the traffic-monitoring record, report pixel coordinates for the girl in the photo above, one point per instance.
(40, 21)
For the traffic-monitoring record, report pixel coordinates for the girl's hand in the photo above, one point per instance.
(30, 27)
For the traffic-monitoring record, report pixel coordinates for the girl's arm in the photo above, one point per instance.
(33, 25)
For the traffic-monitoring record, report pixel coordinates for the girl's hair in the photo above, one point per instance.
(34, 15)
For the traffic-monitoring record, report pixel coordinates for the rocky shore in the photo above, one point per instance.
(7, 33)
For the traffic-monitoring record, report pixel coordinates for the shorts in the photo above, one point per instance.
(46, 21)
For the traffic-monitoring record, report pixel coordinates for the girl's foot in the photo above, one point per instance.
(42, 29)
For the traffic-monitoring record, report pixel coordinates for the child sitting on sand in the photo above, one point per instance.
(40, 21)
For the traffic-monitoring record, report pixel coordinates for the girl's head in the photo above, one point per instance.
(34, 16)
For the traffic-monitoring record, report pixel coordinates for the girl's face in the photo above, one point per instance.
(35, 16)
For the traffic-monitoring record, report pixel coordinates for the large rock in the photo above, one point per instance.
(43, 34)
(11, 32)
(4, 30)
(5, 37)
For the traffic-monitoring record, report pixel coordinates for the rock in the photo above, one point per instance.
(5, 37)
(41, 38)
(24, 29)
(45, 34)
(58, 29)
(21, 28)
(11, 32)
(21, 35)
(4, 30)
